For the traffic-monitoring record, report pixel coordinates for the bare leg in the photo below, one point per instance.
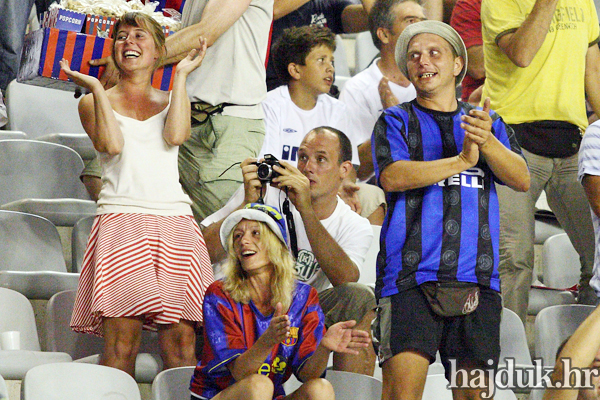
(122, 337)
(470, 393)
(253, 387)
(177, 344)
(404, 376)
(314, 389)
(364, 362)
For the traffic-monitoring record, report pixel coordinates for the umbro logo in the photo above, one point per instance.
(290, 130)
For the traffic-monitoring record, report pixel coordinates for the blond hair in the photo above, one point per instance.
(284, 274)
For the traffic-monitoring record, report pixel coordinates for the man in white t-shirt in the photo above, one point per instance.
(332, 239)
(589, 176)
(303, 58)
(381, 85)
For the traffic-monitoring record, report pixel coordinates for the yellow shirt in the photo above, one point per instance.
(552, 87)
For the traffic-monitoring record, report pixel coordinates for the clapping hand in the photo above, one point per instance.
(341, 338)
(279, 328)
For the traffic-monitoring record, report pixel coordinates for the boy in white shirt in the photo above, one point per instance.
(303, 56)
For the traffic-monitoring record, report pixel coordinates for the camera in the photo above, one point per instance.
(265, 168)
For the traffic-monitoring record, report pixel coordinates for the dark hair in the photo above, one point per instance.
(294, 45)
(345, 145)
(147, 23)
(382, 16)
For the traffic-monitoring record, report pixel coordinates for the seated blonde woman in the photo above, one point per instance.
(261, 325)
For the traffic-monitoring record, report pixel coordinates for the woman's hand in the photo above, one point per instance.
(86, 81)
(279, 328)
(341, 338)
(193, 59)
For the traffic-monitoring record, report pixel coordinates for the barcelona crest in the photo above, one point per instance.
(293, 338)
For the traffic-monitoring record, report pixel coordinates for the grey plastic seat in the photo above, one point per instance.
(86, 348)
(43, 179)
(351, 386)
(73, 381)
(560, 260)
(80, 142)
(3, 389)
(513, 341)
(79, 238)
(364, 50)
(172, 384)
(553, 325)
(12, 135)
(54, 110)
(16, 314)
(32, 261)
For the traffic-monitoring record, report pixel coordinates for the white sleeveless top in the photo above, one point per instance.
(144, 177)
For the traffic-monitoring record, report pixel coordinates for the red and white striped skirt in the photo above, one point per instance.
(145, 265)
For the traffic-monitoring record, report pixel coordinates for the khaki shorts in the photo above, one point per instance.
(346, 302)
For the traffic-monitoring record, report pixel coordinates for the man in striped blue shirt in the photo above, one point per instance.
(437, 273)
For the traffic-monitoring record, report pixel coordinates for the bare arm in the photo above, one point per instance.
(592, 77)
(507, 165)
(591, 185)
(217, 17)
(252, 187)
(281, 8)
(475, 67)
(522, 45)
(366, 160)
(96, 113)
(177, 125)
(355, 17)
(581, 349)
(332, 259)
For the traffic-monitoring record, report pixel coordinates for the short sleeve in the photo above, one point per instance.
(589, 152)
(388, 142)
(223, 330)
(499, 17)
(333, 13)
(271, 144)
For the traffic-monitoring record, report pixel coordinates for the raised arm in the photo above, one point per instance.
(522, 45)
(355, 17)
(332, 259)
(218, 16)
(177, 126)
(96, 113)
(281, 8)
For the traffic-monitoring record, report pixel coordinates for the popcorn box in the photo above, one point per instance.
(99, 25)
(60, 18)
(44, 48)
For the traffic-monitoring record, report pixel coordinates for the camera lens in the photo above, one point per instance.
(264, 172)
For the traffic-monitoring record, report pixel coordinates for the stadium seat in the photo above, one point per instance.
(39, 111)
(73, 381)
(365, 51)
(79, 238)
(16, 314)
(80, 142)
(43, 179)
(172, 384)
(32, 261)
